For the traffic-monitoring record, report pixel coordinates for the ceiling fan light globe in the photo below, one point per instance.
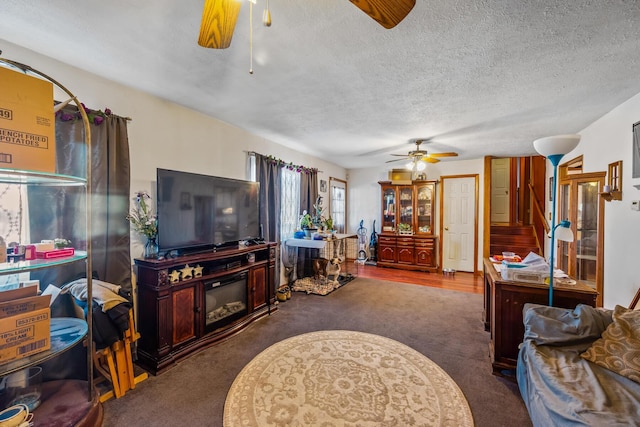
(409, 166)
(420, 166)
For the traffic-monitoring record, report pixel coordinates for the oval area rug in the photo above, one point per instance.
(344, 378)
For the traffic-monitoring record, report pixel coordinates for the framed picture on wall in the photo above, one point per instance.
(323, 185)
(551, 189)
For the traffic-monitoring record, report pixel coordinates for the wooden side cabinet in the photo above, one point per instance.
(186, 310)
(425, 250)
(191, 302)
(258, 287)
(504, 301)
(407, 252)
(405, 249)
(387, 249)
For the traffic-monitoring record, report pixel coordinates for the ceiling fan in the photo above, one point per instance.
(219, 17)
(418, 158)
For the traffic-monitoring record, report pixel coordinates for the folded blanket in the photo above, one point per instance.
(103, 293)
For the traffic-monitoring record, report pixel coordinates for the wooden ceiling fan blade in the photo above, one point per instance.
(387, 13)
(218, 22)
(429, 159)
(451, 154)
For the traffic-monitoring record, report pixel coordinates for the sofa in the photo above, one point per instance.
(580, 367)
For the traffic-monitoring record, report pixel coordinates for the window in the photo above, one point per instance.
(338, 204)
(572, 167)
(289, 203)
(615, 176)
(13, 220)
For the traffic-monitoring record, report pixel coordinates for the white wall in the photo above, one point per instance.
(163, 134)
(365, 200)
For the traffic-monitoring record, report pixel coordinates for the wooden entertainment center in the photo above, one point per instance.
(190, 302)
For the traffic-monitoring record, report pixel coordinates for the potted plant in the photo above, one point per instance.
(329, 223)
(145, 223)
(404, 228)
(306, 223)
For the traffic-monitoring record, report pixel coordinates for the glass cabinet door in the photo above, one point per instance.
(586, 237)
(405, 222)
(388, 209)
(563, 213)
(581, 204)
(424, 203)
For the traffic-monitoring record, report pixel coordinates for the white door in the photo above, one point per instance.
(459, 208)
(500, 172)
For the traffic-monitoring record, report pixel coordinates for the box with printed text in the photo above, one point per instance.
(25, 323)
(27, 124)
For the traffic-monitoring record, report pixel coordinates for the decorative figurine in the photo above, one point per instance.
(197, 271)
(187, 272)
(174, 277)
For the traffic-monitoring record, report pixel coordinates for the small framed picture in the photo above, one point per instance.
(323, 185)
(551, 189)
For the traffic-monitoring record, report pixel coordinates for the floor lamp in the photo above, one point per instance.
(554, 148)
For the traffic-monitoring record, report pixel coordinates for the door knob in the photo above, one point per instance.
(446, 228)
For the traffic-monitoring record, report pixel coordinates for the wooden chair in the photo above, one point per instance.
(115, 364)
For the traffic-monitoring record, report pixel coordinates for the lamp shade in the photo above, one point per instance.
(554, 145)
(562, 231)
(564, 234)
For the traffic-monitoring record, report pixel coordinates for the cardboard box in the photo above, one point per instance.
(400, 176)
(25, 323)
(56, 253)
(27, 124)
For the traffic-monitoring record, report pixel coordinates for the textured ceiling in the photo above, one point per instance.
(478, 77)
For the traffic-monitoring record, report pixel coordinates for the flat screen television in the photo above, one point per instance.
(201, 212)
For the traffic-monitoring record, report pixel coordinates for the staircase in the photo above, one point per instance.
(513, 238)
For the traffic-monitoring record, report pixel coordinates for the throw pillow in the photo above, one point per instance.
(619, 347)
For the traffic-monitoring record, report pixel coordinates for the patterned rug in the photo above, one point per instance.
(344, 378)
(320, 285)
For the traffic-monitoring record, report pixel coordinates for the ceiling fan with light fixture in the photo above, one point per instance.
(418, 158)
(219, 17)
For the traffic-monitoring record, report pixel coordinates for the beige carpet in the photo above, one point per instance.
(344, 378)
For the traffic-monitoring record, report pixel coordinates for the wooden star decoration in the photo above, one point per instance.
(187, 272)
(197, 271)
(174, 276)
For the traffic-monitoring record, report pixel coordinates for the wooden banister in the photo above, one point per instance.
(539, 210)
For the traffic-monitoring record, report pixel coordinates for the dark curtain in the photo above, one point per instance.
(268, 175)
(308, 190)
(61, 212)
(308, 196)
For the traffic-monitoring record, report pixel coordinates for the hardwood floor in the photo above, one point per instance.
(460, 281)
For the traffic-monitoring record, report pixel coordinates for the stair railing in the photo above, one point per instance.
(539, 211)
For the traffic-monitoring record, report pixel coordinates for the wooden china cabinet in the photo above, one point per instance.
(406, 240)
